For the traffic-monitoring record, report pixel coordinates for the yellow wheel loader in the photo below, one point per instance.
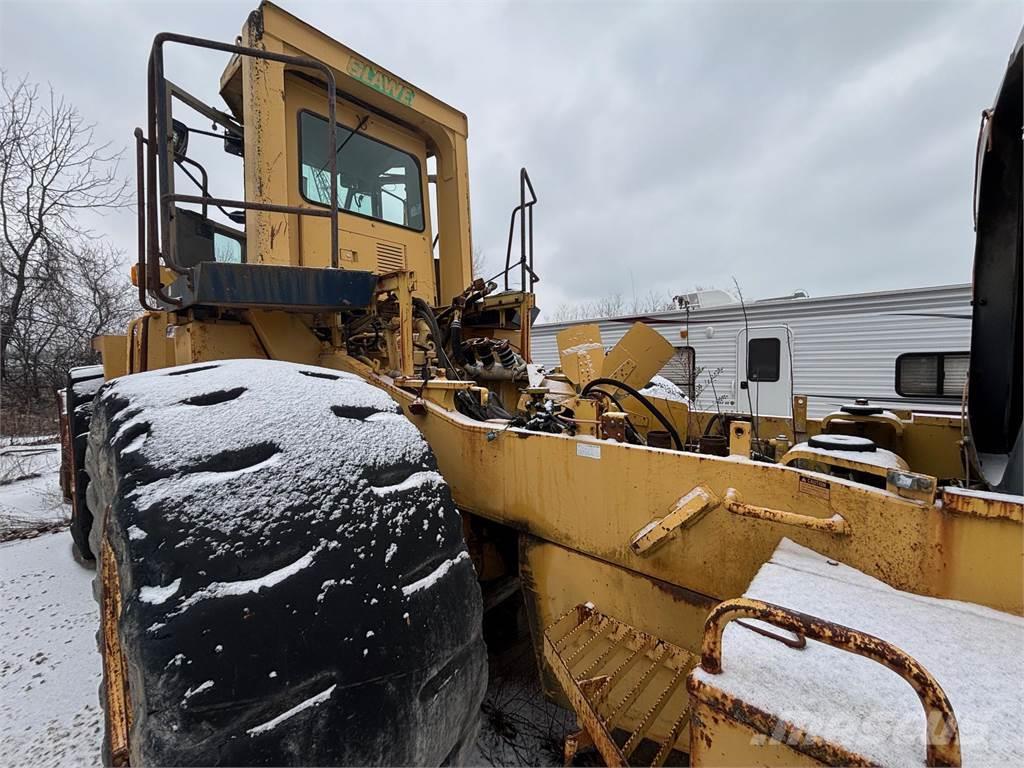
(323, 450)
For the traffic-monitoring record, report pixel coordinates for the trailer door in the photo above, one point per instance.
(764, 369)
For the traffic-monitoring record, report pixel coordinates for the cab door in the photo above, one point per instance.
(764, 370)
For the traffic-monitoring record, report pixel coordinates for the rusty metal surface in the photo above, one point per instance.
(836, 524)
(943, 737)
(964, 502)
(799, 417)
(739, 438)
(67, 461)
(156, 222)
(115, 677)
(607, 669)
(728, 732)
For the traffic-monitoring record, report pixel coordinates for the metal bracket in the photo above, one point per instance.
(684, 513)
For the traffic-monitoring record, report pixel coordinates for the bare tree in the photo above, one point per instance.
(613, 305)
(60, 284)
(479, 263)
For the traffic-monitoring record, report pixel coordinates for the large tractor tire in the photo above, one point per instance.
(82, 384)
(293, 583)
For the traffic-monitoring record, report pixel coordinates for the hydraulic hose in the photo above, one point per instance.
(642, 400)
(618, 405)
(420, 307)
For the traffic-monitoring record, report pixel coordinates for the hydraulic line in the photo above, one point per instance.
(419, 306)
(629, 422)
(640, 399)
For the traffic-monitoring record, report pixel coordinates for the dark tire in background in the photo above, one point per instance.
(81, 388)
(294, 585)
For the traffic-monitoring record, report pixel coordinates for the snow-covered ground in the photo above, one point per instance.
(50, 669)
(29, 490)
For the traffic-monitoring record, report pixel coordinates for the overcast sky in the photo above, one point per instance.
(818, 145)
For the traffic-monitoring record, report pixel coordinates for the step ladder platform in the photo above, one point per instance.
(628, 688)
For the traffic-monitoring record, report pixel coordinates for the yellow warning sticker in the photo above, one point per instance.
(815, 487)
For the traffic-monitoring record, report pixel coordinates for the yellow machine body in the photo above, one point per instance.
(655, 538)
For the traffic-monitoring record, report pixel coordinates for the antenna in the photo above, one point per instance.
(746, 354)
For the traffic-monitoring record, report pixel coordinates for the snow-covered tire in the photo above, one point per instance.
(82, 384)
(295, 588)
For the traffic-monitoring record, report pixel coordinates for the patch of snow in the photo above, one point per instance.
(158, 595)
(29, 440)
(198, 689)
(313, 701)
(194, 480)
(135, 533)
(876, 458)
(434, 576)
(49, 668)
(665, 389)
(247, 586)
(30, 496)
(412, 481)
(585, 347)
(135, 444)
(292, 463)
(972, 651)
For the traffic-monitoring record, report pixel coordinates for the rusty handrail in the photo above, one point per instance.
(943, 737)
(156, 242)
(140, 190)
(525, 211)
(836, 524)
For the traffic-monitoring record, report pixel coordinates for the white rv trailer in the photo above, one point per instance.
(899, 349)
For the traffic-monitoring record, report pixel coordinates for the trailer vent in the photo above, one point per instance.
(390, 257)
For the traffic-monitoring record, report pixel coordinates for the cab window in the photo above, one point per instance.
(375, 179)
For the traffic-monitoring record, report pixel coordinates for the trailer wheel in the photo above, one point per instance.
(292, 582)
(79, 393)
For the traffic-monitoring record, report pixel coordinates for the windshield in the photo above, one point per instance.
(374, 179)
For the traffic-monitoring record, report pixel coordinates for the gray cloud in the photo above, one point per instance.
(825, 146)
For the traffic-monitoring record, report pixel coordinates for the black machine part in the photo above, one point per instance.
(828, 442)
(861, 408)
(994, 379)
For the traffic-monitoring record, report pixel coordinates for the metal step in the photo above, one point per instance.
(626, 686)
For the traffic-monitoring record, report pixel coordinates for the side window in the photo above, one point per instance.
(374, 179)
(931, 374)
(763, 359)
(226, 249)
(680, 370)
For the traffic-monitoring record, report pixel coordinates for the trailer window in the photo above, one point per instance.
(374, 179)
(931, 374)
(763, 359)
